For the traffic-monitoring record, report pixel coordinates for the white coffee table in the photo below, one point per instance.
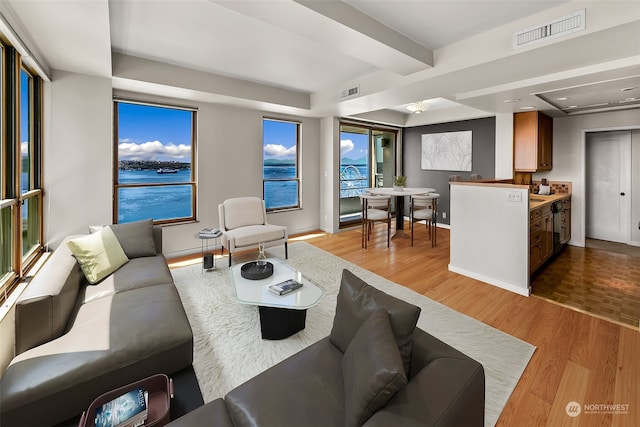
(280, 315)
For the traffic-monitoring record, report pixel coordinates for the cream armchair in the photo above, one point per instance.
(243, 222)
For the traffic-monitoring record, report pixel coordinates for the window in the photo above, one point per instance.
(154, 172)
(367, 159)
(21, 190)
(281, 171)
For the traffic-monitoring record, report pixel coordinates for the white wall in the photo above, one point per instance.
(329, 164)
(569, 159)
(78, 162)
(490, 234)
(77, 153)
(504, 146)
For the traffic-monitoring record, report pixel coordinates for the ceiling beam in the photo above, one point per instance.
(352, 18)
(354, 34)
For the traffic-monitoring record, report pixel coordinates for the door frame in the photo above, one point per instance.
(583, 190)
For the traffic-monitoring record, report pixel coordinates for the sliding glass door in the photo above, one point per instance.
(367, 159)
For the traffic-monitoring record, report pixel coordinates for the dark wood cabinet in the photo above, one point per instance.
(565, 222)
(532, 142)
(540, 236)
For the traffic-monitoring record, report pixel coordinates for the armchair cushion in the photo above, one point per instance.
(372, 369)
(357, 301)
(243, 211)
(254, 234)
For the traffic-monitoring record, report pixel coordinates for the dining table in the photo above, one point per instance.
(399, 194)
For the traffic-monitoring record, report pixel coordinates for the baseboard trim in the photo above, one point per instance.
(491, 281)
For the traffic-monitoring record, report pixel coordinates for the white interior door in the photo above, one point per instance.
(609, 186)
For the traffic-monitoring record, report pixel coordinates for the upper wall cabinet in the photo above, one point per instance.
(533, 142)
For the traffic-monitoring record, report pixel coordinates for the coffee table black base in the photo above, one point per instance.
(281, 323)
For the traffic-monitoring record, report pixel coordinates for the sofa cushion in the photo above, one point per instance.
(254, 234)
(137, 273)
(357, 301)
(372, 369)
(136, 238)
(99, 254)
(112, 341)
(449, 391)
(243, 211)
(305, 389)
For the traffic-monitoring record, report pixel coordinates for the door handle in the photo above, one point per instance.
(622, 194)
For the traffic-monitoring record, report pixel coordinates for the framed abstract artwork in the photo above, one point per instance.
(448, 151)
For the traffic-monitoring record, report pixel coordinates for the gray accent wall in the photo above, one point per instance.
(483, 158)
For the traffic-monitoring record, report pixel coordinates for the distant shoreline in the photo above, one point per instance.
(137, 165)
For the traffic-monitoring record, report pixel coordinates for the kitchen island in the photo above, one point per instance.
(492, 235)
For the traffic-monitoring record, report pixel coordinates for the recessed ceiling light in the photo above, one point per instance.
(572, 106)
(527, 108)
(562, 98)
(627, 89)
(512, 100)
(630, 99)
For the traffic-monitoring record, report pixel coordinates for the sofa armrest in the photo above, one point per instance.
(447, 392)
(43, 310)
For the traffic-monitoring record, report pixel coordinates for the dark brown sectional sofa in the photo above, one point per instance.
(359, 375)
(75, 341)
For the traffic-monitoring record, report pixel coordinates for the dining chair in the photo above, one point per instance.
(424, 207)
(375, 209)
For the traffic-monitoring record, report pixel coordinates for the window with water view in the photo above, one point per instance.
(20, 169)
(367, 159)
(281, 175)
(155, 169)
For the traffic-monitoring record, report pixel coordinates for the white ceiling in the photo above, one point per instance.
(295, 56)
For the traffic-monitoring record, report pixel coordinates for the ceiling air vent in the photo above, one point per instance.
(557, 28)
(345, 93)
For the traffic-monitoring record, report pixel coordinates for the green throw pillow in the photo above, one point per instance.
(99, 254)
(372, 369)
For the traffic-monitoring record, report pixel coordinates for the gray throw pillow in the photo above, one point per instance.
(357, 301)
(136, 238)
(372, 369)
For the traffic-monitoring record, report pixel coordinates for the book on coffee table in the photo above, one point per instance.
(285, 287)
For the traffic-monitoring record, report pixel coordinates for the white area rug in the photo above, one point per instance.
(228, 349)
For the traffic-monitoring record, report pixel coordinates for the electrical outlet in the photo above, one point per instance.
(514, 196)
(444, 215)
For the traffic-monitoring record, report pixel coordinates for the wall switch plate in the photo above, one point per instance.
(444, 215)
(514, 196)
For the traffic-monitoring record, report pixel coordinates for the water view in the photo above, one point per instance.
(159, 203)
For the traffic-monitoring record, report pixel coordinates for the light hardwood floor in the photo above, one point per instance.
(579, 358)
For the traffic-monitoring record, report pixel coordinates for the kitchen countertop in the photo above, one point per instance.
(537, 200)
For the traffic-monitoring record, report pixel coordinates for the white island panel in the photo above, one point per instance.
(490, 234)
